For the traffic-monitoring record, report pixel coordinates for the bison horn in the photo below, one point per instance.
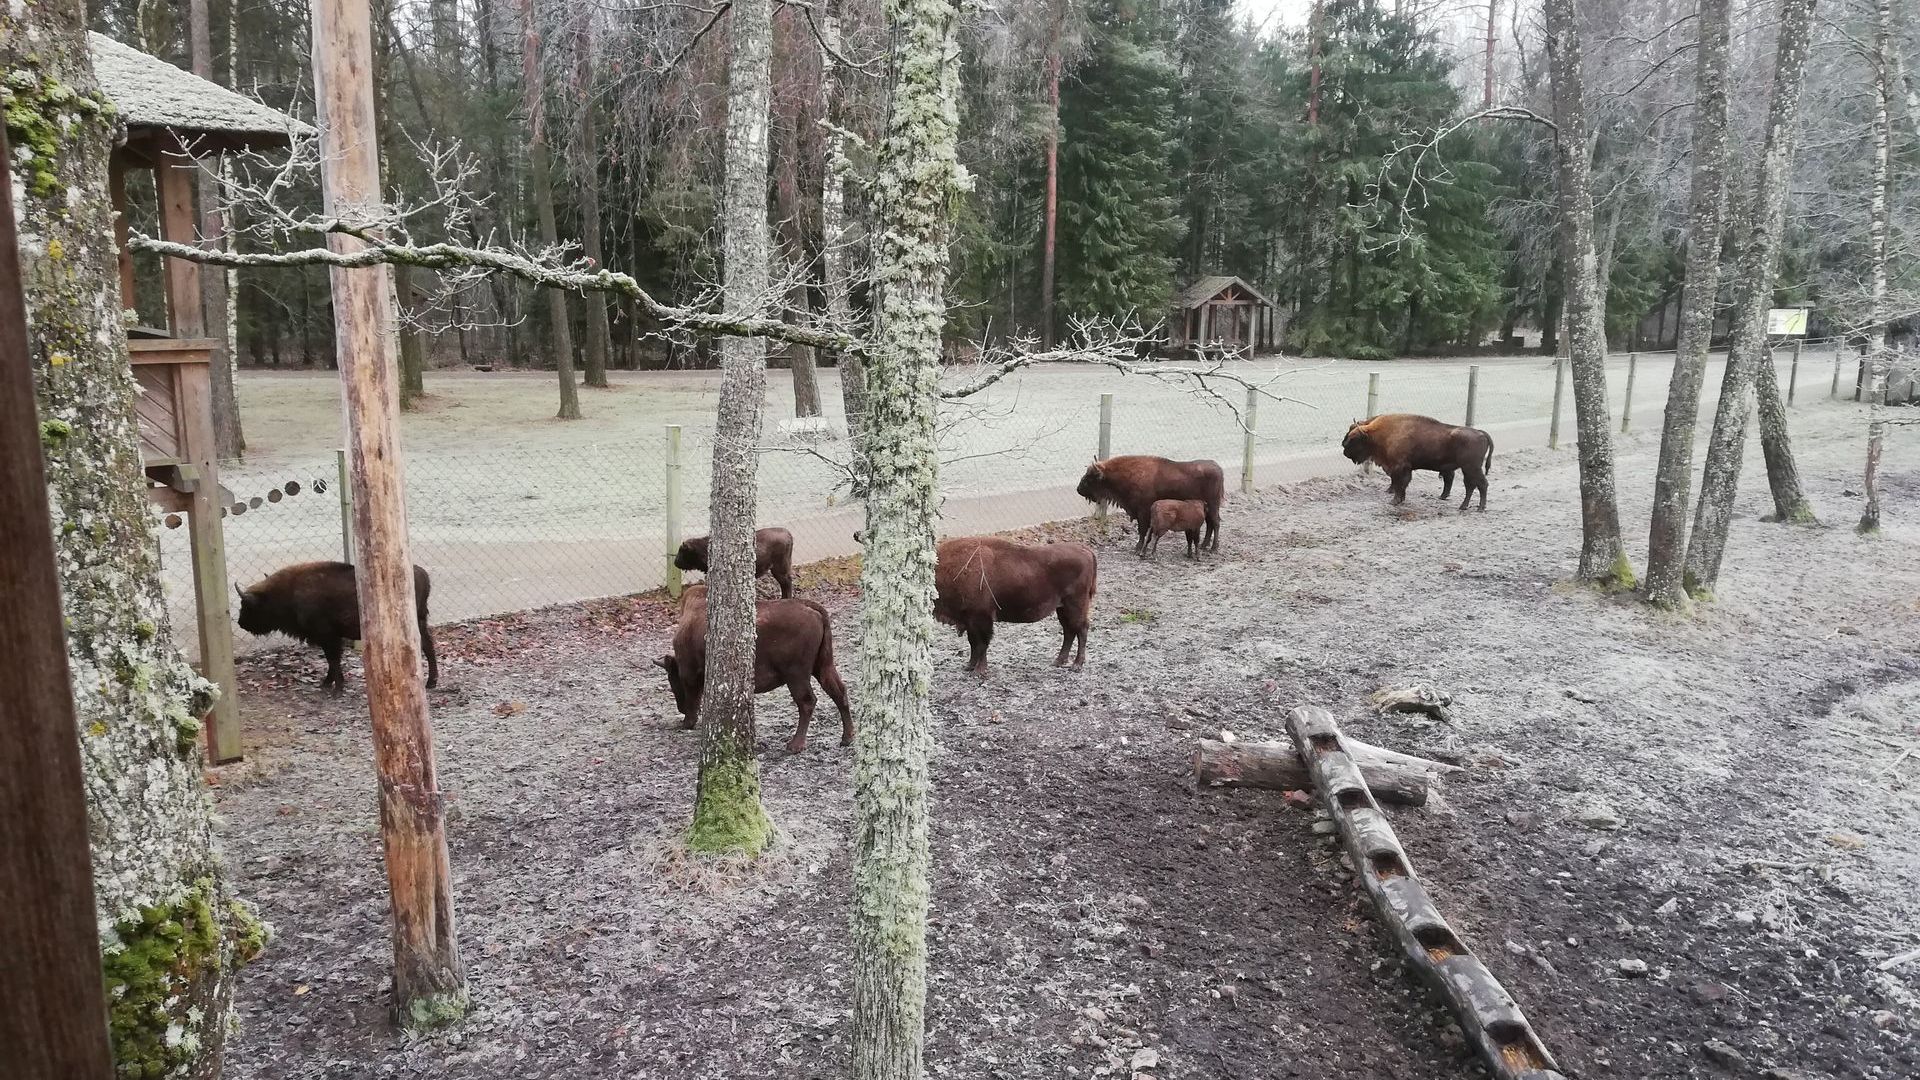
(664, 662)
(242, 593)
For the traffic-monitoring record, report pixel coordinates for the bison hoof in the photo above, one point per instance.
(846, 740)
(687, 724)
(796, 744)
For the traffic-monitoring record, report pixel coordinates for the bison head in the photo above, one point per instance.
(1358, 445)
(1093, 485)
(253, 616)
(692, 555)
(667, 663)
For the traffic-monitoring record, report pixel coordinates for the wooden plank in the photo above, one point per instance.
(53, 1015)
(174, 177)
(170, 350)
(208, 544)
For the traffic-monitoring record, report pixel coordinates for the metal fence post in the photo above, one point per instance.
(346, 507)
(1626, 410)
(1473, 390)
(1833, 392)
(1559, 390)
(1246, 446)
(1105, 449)
(1793, 373)
(673, 509)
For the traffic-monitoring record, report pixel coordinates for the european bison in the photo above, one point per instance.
(772, 554)
(1186, 515)
(318, 603)
(981, 580)
(793, 645)
(1402, 442)
(1134, 482)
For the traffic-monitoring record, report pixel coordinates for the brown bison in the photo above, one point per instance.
(1186, 515)
(772, 554)
(793, 645)
(318, 603)
(1401, 442)
(981, 580)
(1134, 482)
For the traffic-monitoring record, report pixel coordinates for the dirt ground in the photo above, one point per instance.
(1719, 795)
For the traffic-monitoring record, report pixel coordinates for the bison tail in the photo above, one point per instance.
(1487, 468)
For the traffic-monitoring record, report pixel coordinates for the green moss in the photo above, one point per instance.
(186, 734)
(54, 433)
(727, 816)
(249, 934)
(435, 1010)
(1801, 514)
(1622, 576)
(34, 113)
(161, 959)
(1694, 589)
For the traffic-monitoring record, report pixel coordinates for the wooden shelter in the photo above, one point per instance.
(1223, 312)
(175, 120)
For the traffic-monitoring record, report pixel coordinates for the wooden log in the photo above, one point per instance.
(429, 983)
(1491, 1020)
(207, 539)
(1276, 766)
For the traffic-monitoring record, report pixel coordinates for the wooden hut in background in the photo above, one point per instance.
(1223, 313)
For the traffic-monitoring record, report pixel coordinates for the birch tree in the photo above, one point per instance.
(172, 932)
(1753, 279)
(1881, 65)
(540, 178)
(727, 814)
(1666, 540)
(1602, 558)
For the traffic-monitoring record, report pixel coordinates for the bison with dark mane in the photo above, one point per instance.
(981, 580)
(1401, 442)
(772, 554)
(792, 646)
(319, 603)
(1134, 482)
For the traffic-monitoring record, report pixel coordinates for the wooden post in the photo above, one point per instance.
(207, 543)
(673, 509)
(1473, 391)
(174, 178)
(1206, 326)
(1246, 445)
(1626, 410)
(1105, 449)
(346, 505)
(1833, 392)
(53, 1016)
(1559, 389)
(1373, 394)
(1793, 373)
(429, 984)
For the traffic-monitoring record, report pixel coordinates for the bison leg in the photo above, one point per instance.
(1397, 485)
(433, 658)
(801, 687)
(1211, 541)
(979, 636)
(1446, 482)
(784, 575)
(1073, 630)
(1475, 479)
(836, 689)
(1193, 543)
(336, 679)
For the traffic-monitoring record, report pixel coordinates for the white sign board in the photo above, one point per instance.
(1787, 322)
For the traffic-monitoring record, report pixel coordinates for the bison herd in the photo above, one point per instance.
(978, 580)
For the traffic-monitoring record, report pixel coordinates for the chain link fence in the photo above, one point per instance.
(505, 530)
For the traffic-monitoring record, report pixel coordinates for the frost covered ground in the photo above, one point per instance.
(1718, 795)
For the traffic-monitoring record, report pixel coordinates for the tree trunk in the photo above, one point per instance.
(727, 815)
(1754, 275)
(586, 162)
(834, 239)
(413, 350)
(1602, 558)
(561, 334)
(919, 176)
(806, 374)
(1673, 478)
(1276, 766)
(228, 438)
(172, 931)
(1052, 210)
(1877, 257)
(792, 217)
(1493, 17)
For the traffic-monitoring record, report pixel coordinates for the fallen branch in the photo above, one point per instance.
(1276, 766)
(1892, 962)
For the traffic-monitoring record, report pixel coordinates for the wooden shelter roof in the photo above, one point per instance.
(1208, 288)
(154, 97)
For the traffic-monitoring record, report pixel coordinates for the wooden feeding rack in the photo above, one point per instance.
(175, 121)
(1222, 312)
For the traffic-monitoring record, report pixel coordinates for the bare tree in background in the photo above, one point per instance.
(229, 437)
(539, 176)
(1882, 65)
(835, 273)
(586, 178)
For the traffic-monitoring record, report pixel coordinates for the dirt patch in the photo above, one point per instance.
(1717, 795)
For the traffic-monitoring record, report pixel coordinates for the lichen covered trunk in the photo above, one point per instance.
(172, 932)
(1877, 358)
(727, 814)
(1602, 558)
(918, 182)
(1673, 477)
(1790, 503)
(1753, 278)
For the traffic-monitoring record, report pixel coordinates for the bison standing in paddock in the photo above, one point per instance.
(1134, 482)
(793, 645)
(772, 554)
(981, 580)
(1186, 515)
(318, 603)
(1401, 442)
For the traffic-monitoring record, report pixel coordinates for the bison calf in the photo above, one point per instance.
(793, 645)
(1186, 515)
(318, 603)
(1401, 442)
(1134, 482)
(981, 580)
(772, 554)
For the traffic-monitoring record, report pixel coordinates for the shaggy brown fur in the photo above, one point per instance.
(981, 580)
(793, 645)
(1401, 442)
(318, 603)
(1134, 482)
(1187, 515)
(772, 554)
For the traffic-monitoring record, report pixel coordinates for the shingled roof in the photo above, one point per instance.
(1207, 288)
(152, 95)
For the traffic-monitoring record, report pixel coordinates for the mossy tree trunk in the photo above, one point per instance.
(727, 815)
(1602, 558)
(1673, 478)
(915, 191)
(172, 932)
(1753, 278)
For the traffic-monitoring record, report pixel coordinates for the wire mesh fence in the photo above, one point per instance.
(505, 530)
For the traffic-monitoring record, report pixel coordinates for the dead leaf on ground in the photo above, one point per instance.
(508, 708)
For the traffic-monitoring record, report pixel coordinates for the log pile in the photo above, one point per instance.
(1276, 766)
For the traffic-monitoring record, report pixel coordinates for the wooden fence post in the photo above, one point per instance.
(429, 982)
(1833, 392)
(1246, 445)
(346, 505)
(673, 509)
(53, 1015)
(1373, 394)
(208, 549)
(1793, 373)
(1626, 410)
(1473, 391)
(1105, 449)
(1559, 390)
